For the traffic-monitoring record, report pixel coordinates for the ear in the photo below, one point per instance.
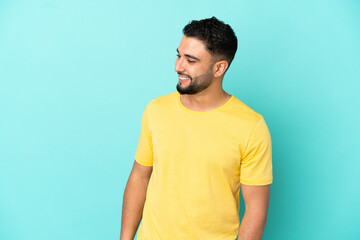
(220, 68)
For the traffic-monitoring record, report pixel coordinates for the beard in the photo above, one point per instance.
(197, 84)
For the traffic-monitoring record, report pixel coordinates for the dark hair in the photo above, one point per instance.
(218, 37)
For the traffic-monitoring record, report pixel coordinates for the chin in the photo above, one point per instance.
(189, 90)
(180, 89)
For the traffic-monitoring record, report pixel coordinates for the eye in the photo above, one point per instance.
(177, 55)
(190, 61)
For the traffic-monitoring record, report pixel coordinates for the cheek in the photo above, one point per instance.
(199, 71)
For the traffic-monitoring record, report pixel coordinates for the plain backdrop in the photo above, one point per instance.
(75, 77)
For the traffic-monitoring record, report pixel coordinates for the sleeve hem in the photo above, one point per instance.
(256, 183)
(146, 164)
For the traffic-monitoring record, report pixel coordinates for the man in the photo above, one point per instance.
(197, 147)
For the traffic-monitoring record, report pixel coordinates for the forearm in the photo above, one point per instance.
(252, 225)
(133, 204)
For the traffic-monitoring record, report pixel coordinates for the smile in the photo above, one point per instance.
(183, 80)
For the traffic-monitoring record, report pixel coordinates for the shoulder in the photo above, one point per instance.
(242, 111)
(251, 125)
(164, 99)
(163, 102)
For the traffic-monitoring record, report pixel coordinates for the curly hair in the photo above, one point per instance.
(218, 37)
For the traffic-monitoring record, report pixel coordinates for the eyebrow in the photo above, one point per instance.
(189, 56)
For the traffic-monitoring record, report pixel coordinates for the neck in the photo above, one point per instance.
(206, 100)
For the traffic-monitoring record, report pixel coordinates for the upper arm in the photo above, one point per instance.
(144, 151)
(256, 162)
(141, 172)
(256, 197)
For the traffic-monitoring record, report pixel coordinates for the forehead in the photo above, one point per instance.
(193, 46)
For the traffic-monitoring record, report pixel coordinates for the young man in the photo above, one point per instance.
(197, 147)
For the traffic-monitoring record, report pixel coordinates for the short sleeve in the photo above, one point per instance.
(144, 152)
(256, 163)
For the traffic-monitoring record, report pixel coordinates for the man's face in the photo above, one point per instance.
(194, 66)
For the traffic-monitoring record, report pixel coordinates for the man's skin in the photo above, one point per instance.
(195, 60)
(134, 199)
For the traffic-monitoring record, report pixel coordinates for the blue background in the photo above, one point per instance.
(75, 77)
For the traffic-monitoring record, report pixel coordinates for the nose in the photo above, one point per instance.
(179, 65)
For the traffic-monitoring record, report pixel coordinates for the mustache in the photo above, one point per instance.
(183, 74)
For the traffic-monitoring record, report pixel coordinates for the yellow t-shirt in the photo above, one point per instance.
(199, 161)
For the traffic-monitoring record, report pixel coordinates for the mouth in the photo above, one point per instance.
(183, 79)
